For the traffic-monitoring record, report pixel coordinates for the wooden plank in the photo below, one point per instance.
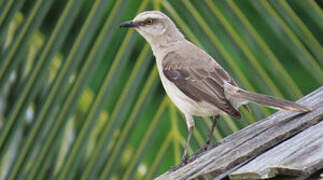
(301, 155)
(239, 148)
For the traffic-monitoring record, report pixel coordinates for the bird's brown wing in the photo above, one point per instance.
(199, 83)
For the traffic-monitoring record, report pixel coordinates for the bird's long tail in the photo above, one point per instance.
(273, 102)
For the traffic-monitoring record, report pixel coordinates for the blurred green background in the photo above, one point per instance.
(81, 98)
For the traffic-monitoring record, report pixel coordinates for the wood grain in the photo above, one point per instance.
(300, 155)
(238, 149)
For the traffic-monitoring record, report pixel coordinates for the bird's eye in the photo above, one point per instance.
(149, 21)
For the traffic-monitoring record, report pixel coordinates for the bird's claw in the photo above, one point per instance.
(181, 164)
(206, 146)
(185, 158)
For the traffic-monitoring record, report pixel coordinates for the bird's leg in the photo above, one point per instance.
(185, 156)
(190, 125)
(208, 141)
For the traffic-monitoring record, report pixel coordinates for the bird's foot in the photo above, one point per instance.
(207, 146)
(186, 159)
(181, 164)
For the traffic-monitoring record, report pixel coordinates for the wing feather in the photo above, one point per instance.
(199, 84)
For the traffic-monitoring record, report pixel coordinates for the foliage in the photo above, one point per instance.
(81, 98)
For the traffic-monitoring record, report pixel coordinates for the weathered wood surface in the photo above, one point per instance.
(238, 149)
(301, 155)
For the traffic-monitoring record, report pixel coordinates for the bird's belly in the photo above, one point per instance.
(185, 103)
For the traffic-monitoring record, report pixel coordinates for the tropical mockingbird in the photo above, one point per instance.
(193, 80)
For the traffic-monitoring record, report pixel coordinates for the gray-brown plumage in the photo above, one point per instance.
(193, 80)
(199, 80)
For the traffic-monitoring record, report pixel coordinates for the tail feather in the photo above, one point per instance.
(273, 102)
(266, 100)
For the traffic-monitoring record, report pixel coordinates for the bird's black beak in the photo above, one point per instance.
(127, 24)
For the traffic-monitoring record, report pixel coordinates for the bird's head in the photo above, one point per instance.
(154, 26)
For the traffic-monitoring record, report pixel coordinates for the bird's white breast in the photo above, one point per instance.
(183, 102)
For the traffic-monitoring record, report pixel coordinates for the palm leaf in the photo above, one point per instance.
(83, 99)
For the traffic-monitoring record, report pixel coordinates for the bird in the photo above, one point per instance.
(193, 80)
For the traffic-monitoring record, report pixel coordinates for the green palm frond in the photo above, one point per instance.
(81, 98)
